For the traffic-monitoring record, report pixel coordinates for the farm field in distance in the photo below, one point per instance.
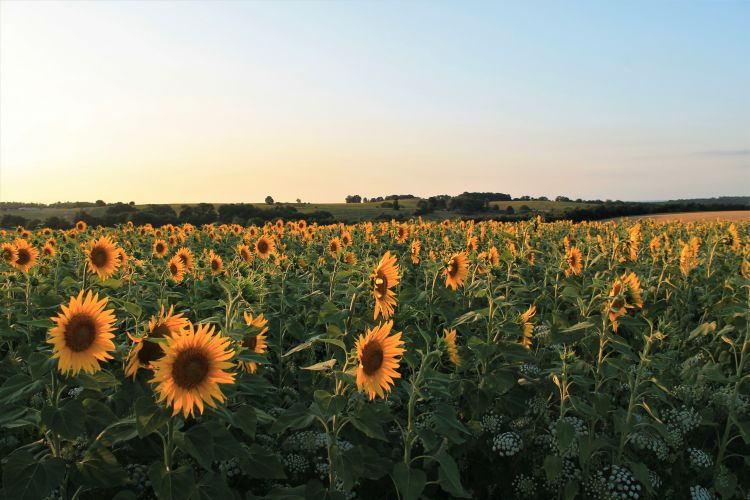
(435, 359)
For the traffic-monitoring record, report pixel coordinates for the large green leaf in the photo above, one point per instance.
(25, 478)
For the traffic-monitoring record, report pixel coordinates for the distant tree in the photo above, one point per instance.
(299, 201)
(100, 203)
(396, 205)
(543, 198)
(354, 198)
(364, 200)
(562, 198)
(509, 210)
(132, 203)
(524, 209)
(269, 200)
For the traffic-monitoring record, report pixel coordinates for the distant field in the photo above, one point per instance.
(732, 216)
(349, 211)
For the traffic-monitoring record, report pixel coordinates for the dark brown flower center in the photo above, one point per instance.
(452, 268)
(381, 283)
(159, 247)
(173, 269)
(250, 342)
(24, 257)
(215, 265)
(190, 368)
(7, 255)
(80, 332)
(372, 358)
(263, 246)
(99, 256)
(152, 351)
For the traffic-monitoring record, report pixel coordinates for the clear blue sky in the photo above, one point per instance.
(231, 101)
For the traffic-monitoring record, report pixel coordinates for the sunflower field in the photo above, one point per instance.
(410, 360)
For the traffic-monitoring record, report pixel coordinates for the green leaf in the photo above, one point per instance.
(245, 419)
(149, 417)
(261, 464)
(18, 387)
(68, 420)
(197, 442)
(552, 467)
(449, 477)
(26, 478)
(99, 468)
(448, 425)
(565, 433)
(134, 309)
(298, 416)
(323, 365)
(409, 482)
(174, 484)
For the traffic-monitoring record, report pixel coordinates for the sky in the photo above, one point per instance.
(189, 101)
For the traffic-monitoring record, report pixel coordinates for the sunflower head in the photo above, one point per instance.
(26, 255)
(257, 342)
(456, 270)
(8, 253)
(193, 367)
(215, 263)
(176, 269)
(245, 254)
(49, 250)
(334, 247)
(145, 351)
(83, 334)
(81, 226)
(378, 354)
(102, 258)
(449, 336)
(264, 247)
(186, 256)
(384, 278)
(575, 262)
(160, 249)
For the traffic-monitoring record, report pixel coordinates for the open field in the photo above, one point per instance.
(730, 216)
(436, 360)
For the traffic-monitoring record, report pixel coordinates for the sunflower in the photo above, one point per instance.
(334, 247)
(493, 256)
(449, 336)
(25, 255)
(416, 247)
(402, 233)
(350, 258)
(456, 271)
(144, 353)
(81, 226)
(186, 256)
(528, 326)
(346, 238)
(245, 254)
(688, 259)
(255, 343)
(378, 354)
(49, 250)
(83, 335)
(102, 257)
(9, 253)
(264, 247)
(215, 263)
(176, 269)
(160, 249)
(625, 294)
(575, 262)
(384, 277)
(192, 368)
